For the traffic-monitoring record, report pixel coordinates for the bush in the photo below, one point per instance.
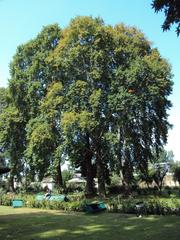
(154, 205)
(30, 201)
(75, 187)
(6, 199)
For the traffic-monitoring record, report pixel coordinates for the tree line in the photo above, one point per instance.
(93, 94)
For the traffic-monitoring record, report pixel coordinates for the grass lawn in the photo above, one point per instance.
(26, 224)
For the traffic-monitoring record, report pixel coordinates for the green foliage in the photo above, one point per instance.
(67, 175)
(12, 139)
(162, 161)
(3, 99)
(30, 201)
(172, 13)
(152, 205)
(115, 179)
(75, 187)
(156, 206)
(146, 177)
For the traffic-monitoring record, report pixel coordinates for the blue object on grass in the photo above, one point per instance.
(17, 203)
(95, 207)
(52, 198)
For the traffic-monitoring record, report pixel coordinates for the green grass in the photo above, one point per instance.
(31, 224)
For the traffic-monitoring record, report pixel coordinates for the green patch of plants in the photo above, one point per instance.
(118, 204)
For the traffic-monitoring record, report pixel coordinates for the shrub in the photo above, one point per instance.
(154, 205)
(75, 187)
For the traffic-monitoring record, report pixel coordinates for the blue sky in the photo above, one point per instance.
(22, 20)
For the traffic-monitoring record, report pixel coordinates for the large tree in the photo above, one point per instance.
(172, 13)
(95, 94)
(117, 88)
(28, 84)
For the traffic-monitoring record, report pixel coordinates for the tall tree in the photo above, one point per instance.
(127, 84)
(30, 78)
(95, 93)
(84, 54)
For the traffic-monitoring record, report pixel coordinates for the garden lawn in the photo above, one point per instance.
(26, 224)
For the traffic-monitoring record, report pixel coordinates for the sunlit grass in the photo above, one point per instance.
(31, 224)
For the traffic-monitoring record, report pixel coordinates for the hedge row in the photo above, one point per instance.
(154, 205)
(30, 201)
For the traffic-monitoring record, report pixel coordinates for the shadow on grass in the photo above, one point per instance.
(38, 224)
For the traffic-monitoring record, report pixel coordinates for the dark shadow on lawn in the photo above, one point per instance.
(106, 226)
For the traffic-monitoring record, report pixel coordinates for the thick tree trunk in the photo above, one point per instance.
(89, 178)
(121, 165)
(59, 179)
(100, 173)
(120, 157)
(11, 183)
(89, 170)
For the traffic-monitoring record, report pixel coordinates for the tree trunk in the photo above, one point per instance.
(120, 157)
(100, 173)
(89, 170)
(11, 183)
(59, 176)
(89, 178)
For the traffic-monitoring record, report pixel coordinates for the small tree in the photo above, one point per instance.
(147, 177)
(159, 172)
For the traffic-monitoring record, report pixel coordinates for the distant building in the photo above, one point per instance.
(48, 182)
(77, 179)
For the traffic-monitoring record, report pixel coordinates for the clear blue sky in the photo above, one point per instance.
(22, 20)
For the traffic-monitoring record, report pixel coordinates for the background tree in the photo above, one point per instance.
(172, 12)
(3, 105)
(3, 99)
(160, 167)
(11, 141)
(159, 173)
(176, 174)
(147, 177)
(67, 174)
(30, 78)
